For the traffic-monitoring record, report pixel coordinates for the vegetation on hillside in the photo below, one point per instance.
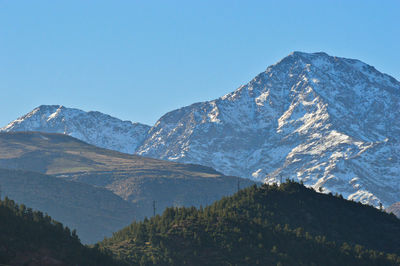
(268, 225)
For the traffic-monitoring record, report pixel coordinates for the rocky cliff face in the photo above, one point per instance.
(92, 127)
(332, 123)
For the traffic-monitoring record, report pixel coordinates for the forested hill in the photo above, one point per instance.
(32, 238)
(267, 225)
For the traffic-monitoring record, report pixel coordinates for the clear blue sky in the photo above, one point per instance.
(137, 60)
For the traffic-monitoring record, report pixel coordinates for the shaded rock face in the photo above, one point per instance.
(395, 209)
(92, 127)
(330, 122)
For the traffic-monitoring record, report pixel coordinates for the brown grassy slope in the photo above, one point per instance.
(134, 178)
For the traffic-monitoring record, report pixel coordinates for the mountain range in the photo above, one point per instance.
(329, 122)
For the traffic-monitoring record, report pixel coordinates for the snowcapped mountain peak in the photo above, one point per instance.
(330, 122)
(92, 127)
(297, 57)
(324, 64)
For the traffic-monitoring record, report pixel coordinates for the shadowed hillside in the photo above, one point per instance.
(32, 238)
(94, 212)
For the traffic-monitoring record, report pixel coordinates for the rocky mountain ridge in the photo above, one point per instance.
(329, 122)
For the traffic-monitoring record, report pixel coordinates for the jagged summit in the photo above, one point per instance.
(92, 127)
(323, 62)
(330, 122)
(299, 54)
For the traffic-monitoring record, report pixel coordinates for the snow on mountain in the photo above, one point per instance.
(92, 127)
(332, 123)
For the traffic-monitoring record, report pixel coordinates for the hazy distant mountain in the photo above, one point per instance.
(136, 179)
(94, 212)
(92, 127)
(30, 237)
(330, 122)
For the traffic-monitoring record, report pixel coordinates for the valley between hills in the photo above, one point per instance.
(99, 191)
